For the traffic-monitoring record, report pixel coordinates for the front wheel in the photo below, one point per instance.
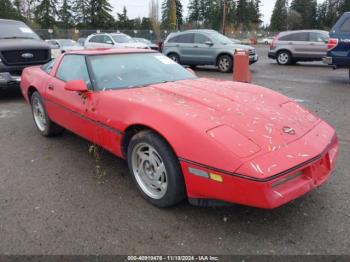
(155, 169)
(225, 64)
(284, 58)
(42, 121)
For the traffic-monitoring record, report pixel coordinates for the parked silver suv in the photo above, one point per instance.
(204, 47)
(304, 45)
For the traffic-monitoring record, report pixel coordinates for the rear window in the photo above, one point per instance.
(345, 27)
(295, 37)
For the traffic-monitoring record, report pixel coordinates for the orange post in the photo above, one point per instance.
(241, 70)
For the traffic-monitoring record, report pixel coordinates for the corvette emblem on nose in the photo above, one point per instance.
(289, 130)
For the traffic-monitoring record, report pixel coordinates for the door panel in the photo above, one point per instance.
(104, 135)
(203, 53)
(67, 108)
(318, 45)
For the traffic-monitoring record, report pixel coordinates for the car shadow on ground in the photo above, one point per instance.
(10, 95)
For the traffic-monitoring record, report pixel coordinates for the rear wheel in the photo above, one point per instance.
(155, 169)
(174, 57)
(42, 121)
(225, 64)
(284, 58)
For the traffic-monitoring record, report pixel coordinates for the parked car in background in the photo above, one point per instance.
(265, 41)
(81, 41)
(204, 47)
(338, 54)
(20, 47)
(59, 46)
(294, 46)
(114, 40)
(147, 42)
(181, 135)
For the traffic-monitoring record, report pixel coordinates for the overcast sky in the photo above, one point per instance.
(140, 7)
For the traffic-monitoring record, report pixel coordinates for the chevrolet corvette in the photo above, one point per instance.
(206, 140)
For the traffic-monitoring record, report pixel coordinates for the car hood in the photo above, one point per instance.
(238, 46)
(20, 44)
(223, 110)
(134, 45)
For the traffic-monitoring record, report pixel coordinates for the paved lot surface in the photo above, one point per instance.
(52, 203)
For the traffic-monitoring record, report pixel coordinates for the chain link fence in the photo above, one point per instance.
(76, 34)
(244, 36)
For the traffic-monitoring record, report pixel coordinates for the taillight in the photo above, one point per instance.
(332, 43)
(273, 44)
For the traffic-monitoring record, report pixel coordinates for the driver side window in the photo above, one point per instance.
(73, 67)
(107, 40)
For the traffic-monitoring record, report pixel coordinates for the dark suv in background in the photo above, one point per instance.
(338, 54)
(19, 47)
(303, 45)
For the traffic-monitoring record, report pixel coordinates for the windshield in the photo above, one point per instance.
(219, 38)
(14, 29)
(123, 39)
(118, 71)
(67, 42)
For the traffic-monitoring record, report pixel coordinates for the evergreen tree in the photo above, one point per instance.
(8, 11)
(146, 24)
(279, 16)
(99, 14)
(81, 11)
(328, 13)
(344, 6)
(194, 10)
(307, 9)
(124, 22)
(45, 13)
(172, 9)
(65, 14)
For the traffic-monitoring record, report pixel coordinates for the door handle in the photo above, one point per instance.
(177, 45)
(51, 87)
(196, 46)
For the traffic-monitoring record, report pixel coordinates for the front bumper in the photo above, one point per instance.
(276, 189)
(272, 55)
(253, 59)
(8, 80)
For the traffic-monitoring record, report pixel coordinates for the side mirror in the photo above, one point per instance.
(109, 42)
(209, 43)
(76, 86)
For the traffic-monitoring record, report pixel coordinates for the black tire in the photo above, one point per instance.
(174, 57)
(50, 129)
(175, 191)
(225, 64)
(284, 58)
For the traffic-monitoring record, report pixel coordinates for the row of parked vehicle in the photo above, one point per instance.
(21, 47)
(193, 47)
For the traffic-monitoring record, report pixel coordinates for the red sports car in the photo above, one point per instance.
(208, 140)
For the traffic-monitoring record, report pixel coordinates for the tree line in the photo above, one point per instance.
(240, 14)
(307, 14)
